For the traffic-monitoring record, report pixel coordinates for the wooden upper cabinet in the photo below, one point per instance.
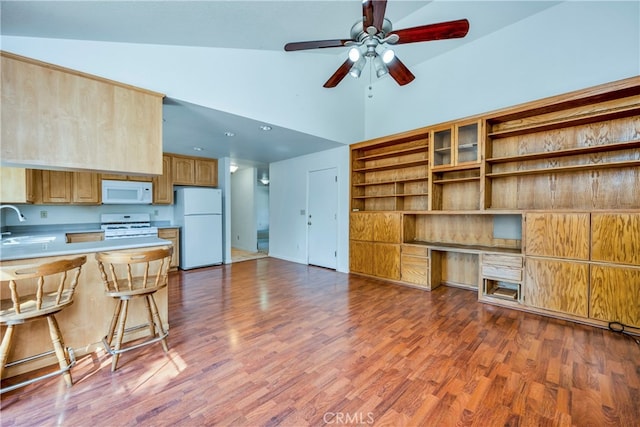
(163, 184)
(183, 170)
(56, 186)
(17, 185)
(70, 187)
(206, 172)
(455, 145)
(194, 171)
(559, 235)
(62, 118)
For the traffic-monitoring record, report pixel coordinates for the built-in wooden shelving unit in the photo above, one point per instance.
(535, 207)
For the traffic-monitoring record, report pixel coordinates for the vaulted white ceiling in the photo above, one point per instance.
(244, 32)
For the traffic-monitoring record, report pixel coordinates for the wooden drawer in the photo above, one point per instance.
(417, 250)
(509, 274)
(514, 261)
(415, 269)
(84, 237)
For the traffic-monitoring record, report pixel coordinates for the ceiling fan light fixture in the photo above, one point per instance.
(388, 55)
(379, 66)
(354, 54)
(357, 68)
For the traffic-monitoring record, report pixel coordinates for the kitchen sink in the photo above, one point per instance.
(26, 240)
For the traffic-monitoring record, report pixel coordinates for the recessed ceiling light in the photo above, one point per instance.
(198, 148)
(227, 133)
(265, 127)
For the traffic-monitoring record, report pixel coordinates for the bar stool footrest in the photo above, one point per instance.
(155, 339)
(71, 364)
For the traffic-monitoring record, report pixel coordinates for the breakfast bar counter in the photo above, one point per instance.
(86, 321)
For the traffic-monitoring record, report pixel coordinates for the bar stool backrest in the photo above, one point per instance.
(134, 272)
(38, 290)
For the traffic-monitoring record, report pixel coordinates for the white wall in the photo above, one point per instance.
(243, 210)
(288, 205)
(571, 46)
(262, 207)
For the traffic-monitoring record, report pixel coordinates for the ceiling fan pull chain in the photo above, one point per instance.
(370, 86)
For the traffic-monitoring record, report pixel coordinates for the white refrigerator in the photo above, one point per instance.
(198, 211)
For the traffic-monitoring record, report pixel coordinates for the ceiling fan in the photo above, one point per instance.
(370, 39)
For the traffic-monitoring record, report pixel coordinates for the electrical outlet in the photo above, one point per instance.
(43, 214)
(155, 212)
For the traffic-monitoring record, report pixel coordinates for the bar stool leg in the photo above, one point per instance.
(152, 329)
(58, 345)
(123, 320)
(114, 321)
(156, 316)
(5, 346)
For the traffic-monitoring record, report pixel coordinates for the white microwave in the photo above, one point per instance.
(126, 192)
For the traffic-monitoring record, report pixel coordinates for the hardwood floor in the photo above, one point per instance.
(269, 342)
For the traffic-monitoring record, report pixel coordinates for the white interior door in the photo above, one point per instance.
(322, 218)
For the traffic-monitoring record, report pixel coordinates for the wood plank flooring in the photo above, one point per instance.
(269, 342)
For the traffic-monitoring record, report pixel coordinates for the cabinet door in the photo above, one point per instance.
(557, 235)
(615, 294)
(386, 260)
(442, 148)
(183, 171)
(163, 184)
(415, 269)
(615, 237)
(361, 257)
(466, 143)
(557, 285)
(206, 172)
(361, 226)
(56, 186)
(86, 188)
(16, 185)
(172, 234)
(387, 227)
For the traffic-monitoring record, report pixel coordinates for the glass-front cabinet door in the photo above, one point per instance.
(467, 143)
(442, 148)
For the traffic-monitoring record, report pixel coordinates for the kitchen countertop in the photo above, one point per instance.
(59, 247)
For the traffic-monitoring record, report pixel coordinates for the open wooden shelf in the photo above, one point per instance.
(399, 180)
(452, 180)
(567, 152)
(380, 196)
(457, 168)
(472, 249)
(563, 122)
(399, 165)
(394, 153)
(558, 169)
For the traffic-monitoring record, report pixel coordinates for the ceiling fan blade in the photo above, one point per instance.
(367, 13)
(440, 31)
(315, 44)
(340, 73)
(373, 13)
(400, 72)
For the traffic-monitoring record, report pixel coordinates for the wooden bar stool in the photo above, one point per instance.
(37, 292)
(134, 274)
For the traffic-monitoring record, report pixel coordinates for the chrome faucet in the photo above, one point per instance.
(20, 216)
